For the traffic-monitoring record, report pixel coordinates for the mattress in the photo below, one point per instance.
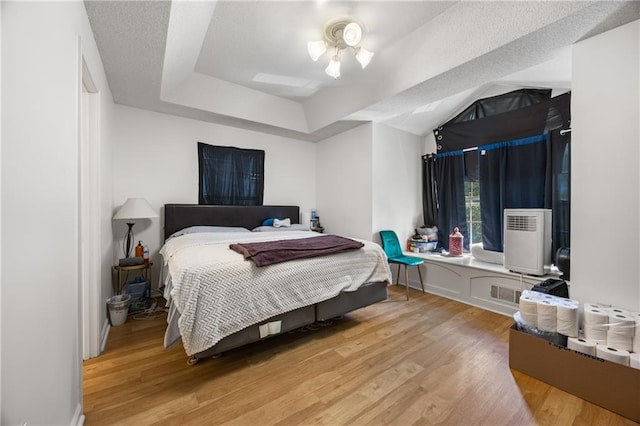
(213, 292)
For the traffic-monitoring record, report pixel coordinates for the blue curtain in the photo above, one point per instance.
(429, 191)
(449, 175)
(512, 174)
(230, 176)
(560, 181)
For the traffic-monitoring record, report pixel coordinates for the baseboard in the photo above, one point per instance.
(78, 417)
(104, 334)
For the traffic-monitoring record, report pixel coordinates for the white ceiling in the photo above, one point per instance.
(245, 64)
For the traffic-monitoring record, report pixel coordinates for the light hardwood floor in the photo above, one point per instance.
(426, 361)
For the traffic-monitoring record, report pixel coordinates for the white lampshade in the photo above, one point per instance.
(333, 69)
(352, 34)
(316, 48)
(135, 208)
(364, 56)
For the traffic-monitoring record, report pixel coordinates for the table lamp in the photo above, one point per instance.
(133, 208)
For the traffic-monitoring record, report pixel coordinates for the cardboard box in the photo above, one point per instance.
(604, 383)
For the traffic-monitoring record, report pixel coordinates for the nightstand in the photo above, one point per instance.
(143, 270)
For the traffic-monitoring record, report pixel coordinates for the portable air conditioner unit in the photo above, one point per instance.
(527, 240)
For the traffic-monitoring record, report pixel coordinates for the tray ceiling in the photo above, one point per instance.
(245, 64)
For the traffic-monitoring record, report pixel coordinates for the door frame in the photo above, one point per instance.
(89, 214)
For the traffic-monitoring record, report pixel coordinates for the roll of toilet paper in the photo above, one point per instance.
(614, 310)
(531, 294)
(620, 331)
(592, 305)
(529, 310)
(567, 322)
(595, 335)
(621, 324)
(620, 342)
(581, 345)
(546, 312)
(595, 324)
(596, 317)
(618, 356)
(634, 360)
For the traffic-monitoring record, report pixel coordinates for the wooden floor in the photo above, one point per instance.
(427, 361)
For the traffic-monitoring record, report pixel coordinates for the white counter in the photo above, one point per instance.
(466, 279)
(469, 261)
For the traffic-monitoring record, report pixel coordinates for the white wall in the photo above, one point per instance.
(344, 183)
(156, 157)
(1, 208)
(41, 362)
(397, 189)
(430, 146)
(605, 180)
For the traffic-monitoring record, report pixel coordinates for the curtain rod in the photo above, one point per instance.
(565, 131)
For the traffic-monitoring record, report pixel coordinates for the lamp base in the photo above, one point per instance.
(127, 243)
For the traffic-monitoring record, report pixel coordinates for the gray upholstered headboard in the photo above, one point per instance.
(179, 216)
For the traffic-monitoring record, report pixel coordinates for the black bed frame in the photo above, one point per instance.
(179, 216)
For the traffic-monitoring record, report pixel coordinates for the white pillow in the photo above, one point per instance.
(292, 227)
(196, 229)
(277, 223)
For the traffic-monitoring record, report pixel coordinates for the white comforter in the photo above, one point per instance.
(218, 293)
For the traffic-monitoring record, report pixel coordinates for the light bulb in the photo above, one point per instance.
(364, 56)
(352, 34)
(316, 48)
(333, 69)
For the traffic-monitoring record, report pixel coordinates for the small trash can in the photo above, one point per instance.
(118, 309)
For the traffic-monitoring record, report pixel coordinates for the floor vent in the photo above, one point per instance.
(505, 294)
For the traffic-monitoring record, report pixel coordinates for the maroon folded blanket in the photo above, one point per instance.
(270, 252)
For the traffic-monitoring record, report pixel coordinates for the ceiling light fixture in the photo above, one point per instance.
(339, 35)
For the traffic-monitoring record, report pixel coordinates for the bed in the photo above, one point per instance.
(219, 301)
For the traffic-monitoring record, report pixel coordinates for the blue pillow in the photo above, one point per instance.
(268, 222)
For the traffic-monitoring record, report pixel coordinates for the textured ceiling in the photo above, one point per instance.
(244, 63)
(271, 38)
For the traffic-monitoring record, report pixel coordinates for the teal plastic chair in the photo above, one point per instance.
(393, 250)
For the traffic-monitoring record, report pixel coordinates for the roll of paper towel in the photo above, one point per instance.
(618, 356)
(529, 311)
(634, 360)
(306, 219)
(582, 345)
(595, 324)
(546, 312)
(620, 331)
(567, 319)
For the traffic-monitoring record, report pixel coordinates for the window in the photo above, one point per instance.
(230, 176)
(472, 205)
(515, 173)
